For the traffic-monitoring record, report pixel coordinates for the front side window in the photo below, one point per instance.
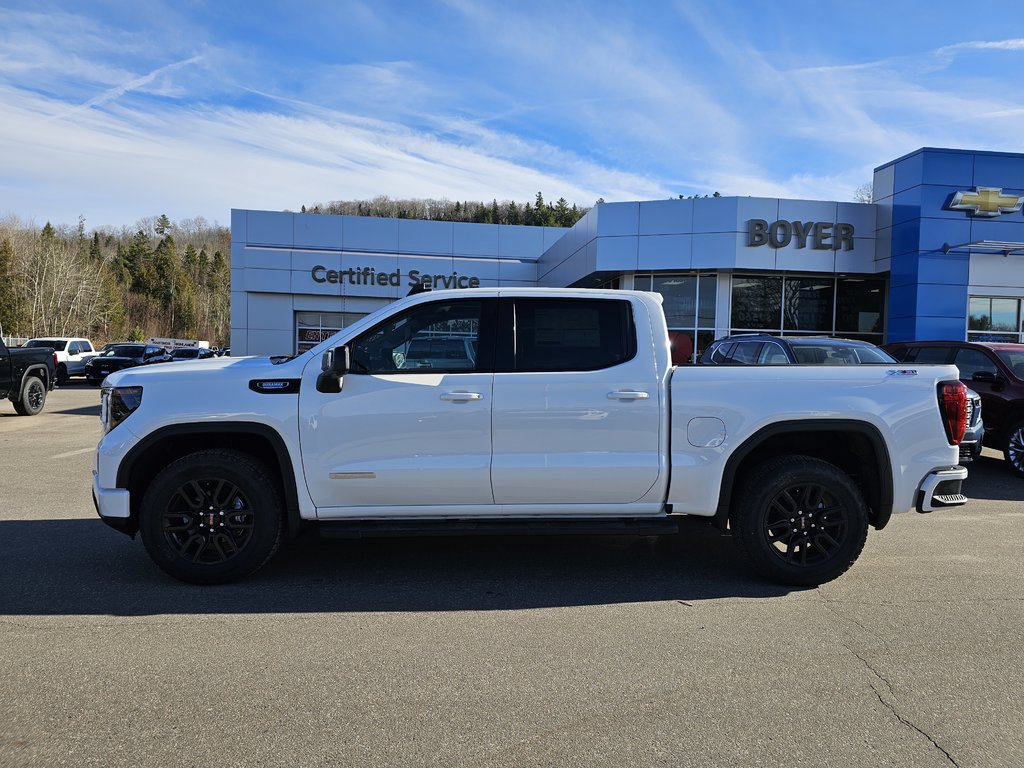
(572, 334)
(971, 361)
(440, 337)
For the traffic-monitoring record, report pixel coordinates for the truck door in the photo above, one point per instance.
(576, 413)
(406, 429)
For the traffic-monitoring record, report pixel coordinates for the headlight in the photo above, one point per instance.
(117, 404)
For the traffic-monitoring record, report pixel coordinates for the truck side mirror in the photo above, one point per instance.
(333, 366)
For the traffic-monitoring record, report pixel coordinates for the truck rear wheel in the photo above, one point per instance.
(802, 521)
(212, 517)
(33, 397)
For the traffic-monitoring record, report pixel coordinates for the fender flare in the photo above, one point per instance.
(883, 463)
(265, 431)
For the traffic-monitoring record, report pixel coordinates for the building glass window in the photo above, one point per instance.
(690, 304)
(994, 319)
(313, 327)
(808, 305)
(860, 306)
(821, 306)
(756, 303)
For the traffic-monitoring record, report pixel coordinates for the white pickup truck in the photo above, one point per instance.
(568, 417)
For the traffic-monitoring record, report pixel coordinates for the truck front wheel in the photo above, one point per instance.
(211, 517)
(802, 521)
(1014, 450)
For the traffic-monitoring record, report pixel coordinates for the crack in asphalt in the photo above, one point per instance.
(888, 686)
(913, 727)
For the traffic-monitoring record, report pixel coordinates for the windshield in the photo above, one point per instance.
(52, 343)
(832, 353)
(122, 350)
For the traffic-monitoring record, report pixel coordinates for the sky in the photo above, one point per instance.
(115, 111)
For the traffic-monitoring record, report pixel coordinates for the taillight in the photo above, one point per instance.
(953, 405)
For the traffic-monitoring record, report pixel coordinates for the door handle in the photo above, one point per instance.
(628, 394)
(461, 397)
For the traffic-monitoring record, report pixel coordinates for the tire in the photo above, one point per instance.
(802, 521)
(61, 376)
(1013, 451)
(33, 397)
(212, 517)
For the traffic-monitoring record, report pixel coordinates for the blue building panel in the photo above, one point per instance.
(615, 219)
(519, 242)
(477, 240)
(616, 254)
(906, 205)
(718, 251)
(434, 237)
(370, 234)
(665, 252)
(906, 237)
(315, 230)
(666, 217)
(716, 214)
(270, 228)
(908, 172)
(764, 208)
(937, 233)
(902, 303)
(946, 168)
(903, 270)
(999, 170)
(882, 183)
(940, 300)
(939, 328)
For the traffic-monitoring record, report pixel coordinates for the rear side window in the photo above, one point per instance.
(928, 355)
(745, 353)
(572, 334)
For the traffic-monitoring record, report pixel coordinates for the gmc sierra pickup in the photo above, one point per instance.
(26, 375)
(555, 410)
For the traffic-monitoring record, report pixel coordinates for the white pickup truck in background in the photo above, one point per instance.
(559, 411)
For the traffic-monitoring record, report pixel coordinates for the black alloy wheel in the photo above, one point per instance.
(802, 521)
(211, 517)
(1014, 450)
(33, 397)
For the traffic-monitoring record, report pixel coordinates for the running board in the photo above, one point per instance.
(360, 529)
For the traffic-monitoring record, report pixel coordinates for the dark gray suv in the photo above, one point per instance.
(763, 349)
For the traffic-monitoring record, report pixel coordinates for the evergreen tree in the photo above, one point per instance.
(163, 225)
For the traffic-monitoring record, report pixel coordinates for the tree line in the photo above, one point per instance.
(158, 278)
(539, 213)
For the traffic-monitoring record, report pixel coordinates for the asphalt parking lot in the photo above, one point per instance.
(574, 651)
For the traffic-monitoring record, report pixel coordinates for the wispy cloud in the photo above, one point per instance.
(1015, 44)
(132, 85)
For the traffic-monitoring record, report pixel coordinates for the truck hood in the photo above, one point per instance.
(202, 374)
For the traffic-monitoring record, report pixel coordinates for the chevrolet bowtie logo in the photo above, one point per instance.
(986, 201)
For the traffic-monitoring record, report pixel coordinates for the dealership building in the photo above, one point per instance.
(938, 254)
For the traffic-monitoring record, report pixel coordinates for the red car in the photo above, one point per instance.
(995, 370)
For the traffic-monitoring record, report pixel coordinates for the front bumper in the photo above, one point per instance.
(941, 488)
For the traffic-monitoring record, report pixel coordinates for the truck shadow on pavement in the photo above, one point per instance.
(80, 567)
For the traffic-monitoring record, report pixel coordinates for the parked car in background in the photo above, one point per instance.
(26, 375)
(763, 349)
(117, 357)
(996, 371)
(72, 354)
(191, 353)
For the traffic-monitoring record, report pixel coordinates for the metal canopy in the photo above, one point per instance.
(1005, 247)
